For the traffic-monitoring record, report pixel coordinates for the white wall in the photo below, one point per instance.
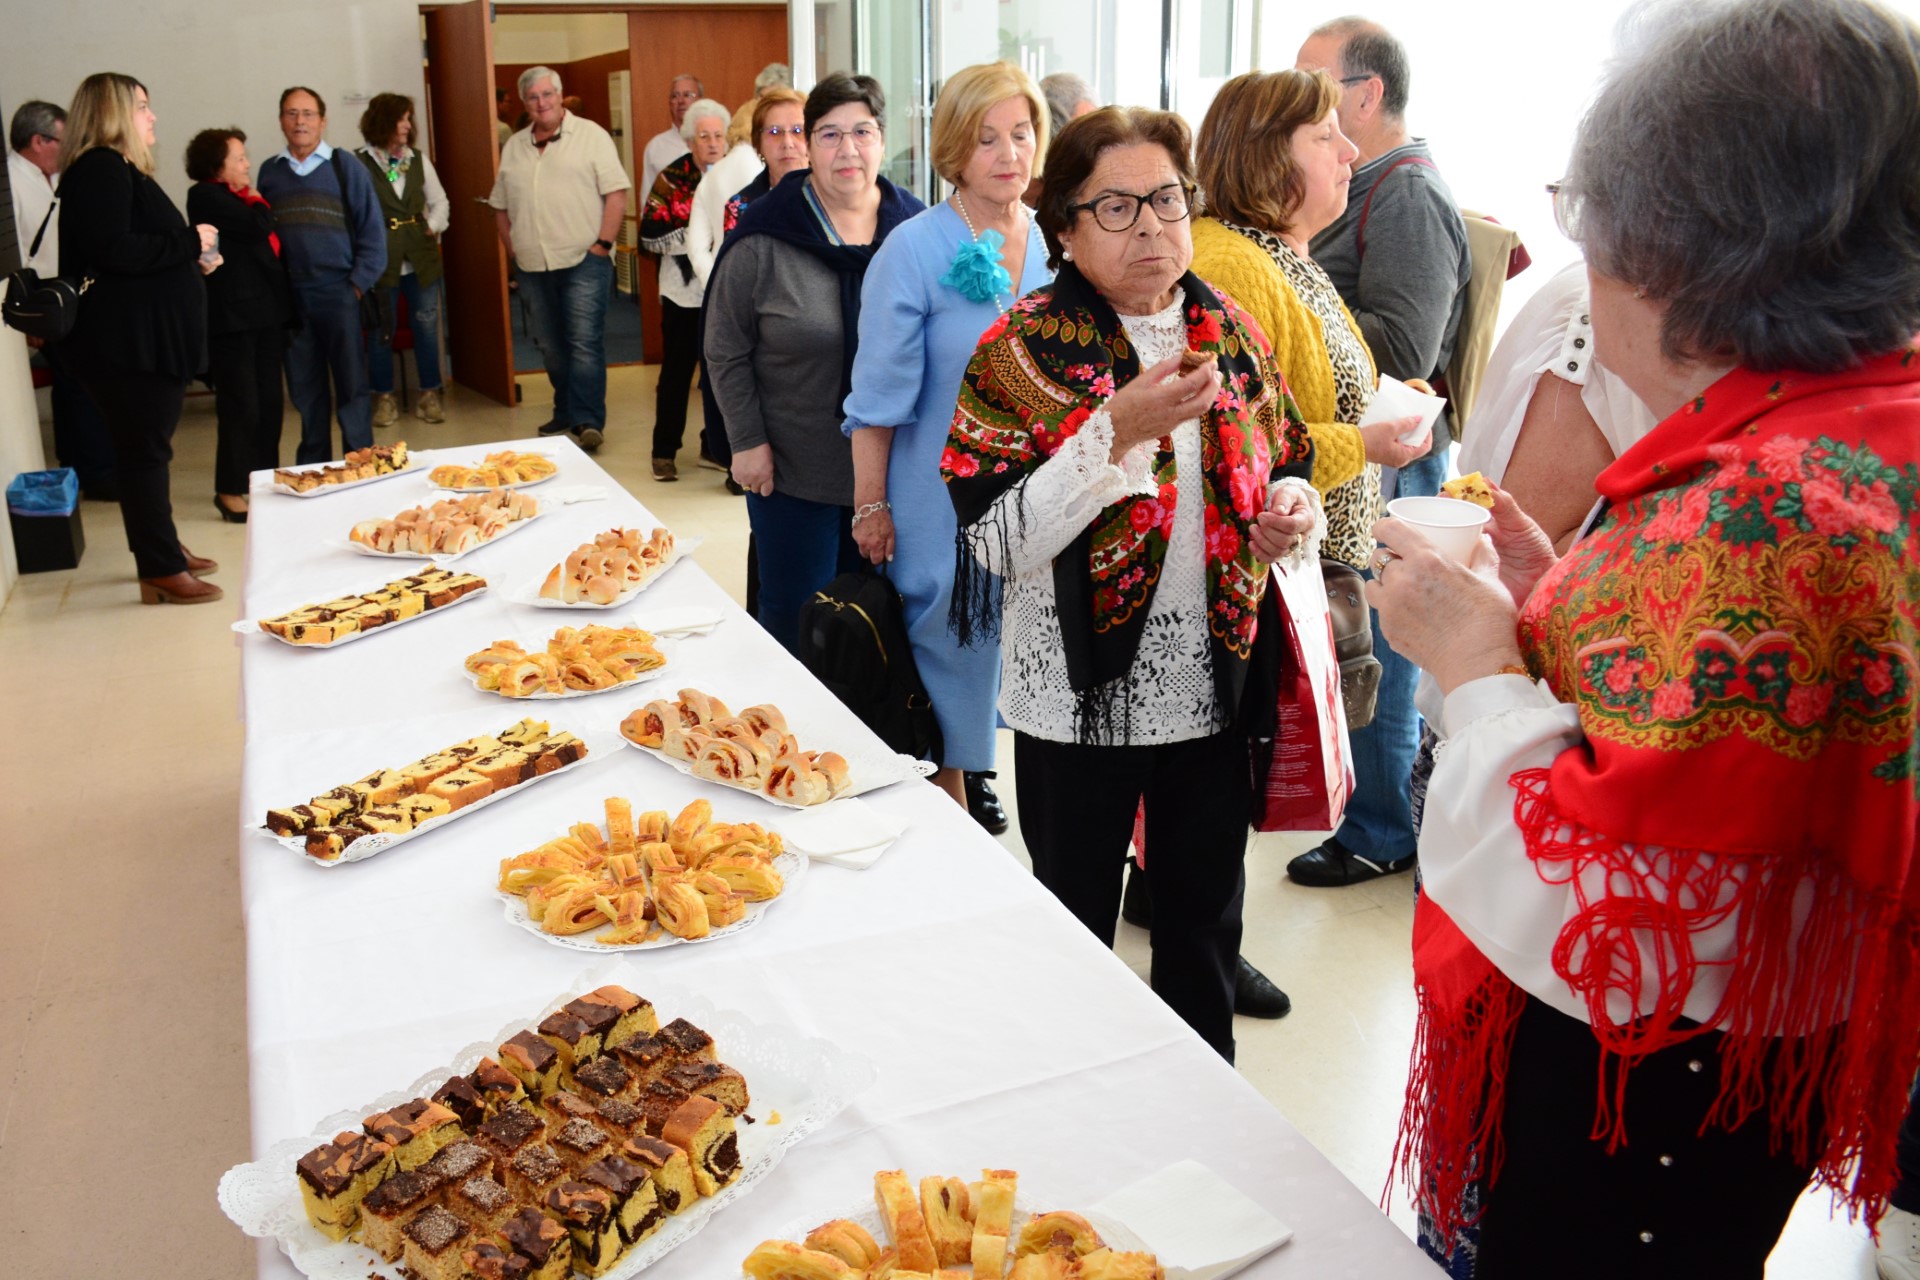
(20, 448)
(217, 62)
(1498, 94)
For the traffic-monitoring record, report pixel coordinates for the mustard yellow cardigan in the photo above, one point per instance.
(1248, 274)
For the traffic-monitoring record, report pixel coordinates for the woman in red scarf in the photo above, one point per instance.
(249, 306)
(1666, 953)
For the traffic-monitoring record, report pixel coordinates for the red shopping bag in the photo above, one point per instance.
(1308, 767)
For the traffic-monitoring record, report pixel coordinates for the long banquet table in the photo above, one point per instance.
(1003, 1034)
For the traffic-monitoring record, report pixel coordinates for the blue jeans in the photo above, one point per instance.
(567, 311)
(423, 317)
(1379, 822)
(329, 344)
(803, 546)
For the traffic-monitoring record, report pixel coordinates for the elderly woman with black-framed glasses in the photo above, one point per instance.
(1125, 462)
(783, 316)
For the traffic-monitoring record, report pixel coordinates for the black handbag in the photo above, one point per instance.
(1352, 641)
(42, 308)
(853, 638)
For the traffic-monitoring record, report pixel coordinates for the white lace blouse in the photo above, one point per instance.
(1168, 694)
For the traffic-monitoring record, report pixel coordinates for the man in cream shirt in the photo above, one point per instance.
(558, 203)
(80, 439)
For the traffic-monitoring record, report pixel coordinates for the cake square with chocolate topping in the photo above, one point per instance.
(647, 1057)
(670, 1168)
(417, 1130)
(580, 1142)
(482, 1202)
(431, 1244)
(604, 1077)
(587, 1213)
(498, 1087)
(336, 1176)
(488, 1261)
(460, 1097)
(423, 809)
(504, 769)
(532, 1171)
(630, 1014)
(570, 1037)
(636, 1203)
(507, 1133)
(460, 788)
(458, 1161)
(620, 1118)
(392, 1204)
(328, 843)
(536, 1063)
(715, 1080)
(702, 1128)
(687, 1040)
(566, 1106)
(658, 1101)
(525, 733)
(542, 1242)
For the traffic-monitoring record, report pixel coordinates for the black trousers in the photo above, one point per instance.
(1077, 805)
(80, 439)
(713, 424)
(1906, 1193)
(141, 410)
(1671, 1204)
(249, 401)
(679, 353)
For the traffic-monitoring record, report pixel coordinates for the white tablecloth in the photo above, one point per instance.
(1004, 1034)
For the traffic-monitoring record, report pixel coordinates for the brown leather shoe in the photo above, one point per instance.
(199, 565)
(664, 469)
(179, 588)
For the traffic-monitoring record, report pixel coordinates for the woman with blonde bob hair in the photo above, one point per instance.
(141, 334)
(936, 285)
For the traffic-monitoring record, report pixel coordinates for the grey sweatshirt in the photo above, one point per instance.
(773, 346)
(1410, 290)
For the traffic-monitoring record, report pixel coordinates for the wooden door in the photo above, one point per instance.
(725, 46)
(466, 151)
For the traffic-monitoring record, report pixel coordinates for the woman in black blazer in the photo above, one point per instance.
(141, 334)
(249, 306)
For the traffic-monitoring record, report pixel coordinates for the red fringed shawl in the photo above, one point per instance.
(1739, 637)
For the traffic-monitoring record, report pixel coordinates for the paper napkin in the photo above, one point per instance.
(1199, 1225)
(1395, 399)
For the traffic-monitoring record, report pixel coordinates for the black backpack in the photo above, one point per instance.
(853, 638)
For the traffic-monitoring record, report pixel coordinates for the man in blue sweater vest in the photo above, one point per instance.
(334, 243)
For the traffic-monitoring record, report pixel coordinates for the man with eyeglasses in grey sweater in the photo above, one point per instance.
(1398, 257)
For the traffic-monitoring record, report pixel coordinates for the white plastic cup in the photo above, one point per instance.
(1452, 526)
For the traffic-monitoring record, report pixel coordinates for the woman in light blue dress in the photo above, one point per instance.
(940, 281)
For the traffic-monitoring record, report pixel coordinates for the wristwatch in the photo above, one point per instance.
(604, 244)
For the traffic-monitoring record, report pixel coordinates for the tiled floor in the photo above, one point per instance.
(122, 988)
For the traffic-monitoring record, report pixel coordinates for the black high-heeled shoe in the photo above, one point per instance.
(228, 513)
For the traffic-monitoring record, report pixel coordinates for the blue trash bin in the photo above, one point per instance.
(43, 509)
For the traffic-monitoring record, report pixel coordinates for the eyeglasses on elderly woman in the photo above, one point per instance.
(864, 136)
(1118, 211)
(1566, 209)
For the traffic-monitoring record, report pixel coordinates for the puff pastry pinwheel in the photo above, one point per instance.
(582, 660)
(646, 875)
